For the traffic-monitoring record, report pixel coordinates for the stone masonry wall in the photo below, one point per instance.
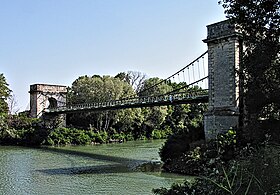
(223, 62)
(40, 94)
(222, 72)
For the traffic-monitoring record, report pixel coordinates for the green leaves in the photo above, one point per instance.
(98, 89)
(94, 89)
(151, 87)
(258, 21)
(5, 93)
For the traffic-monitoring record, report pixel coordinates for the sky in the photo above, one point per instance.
(56, 41)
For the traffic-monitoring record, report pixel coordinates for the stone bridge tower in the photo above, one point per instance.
(46, 96)
(224, 50)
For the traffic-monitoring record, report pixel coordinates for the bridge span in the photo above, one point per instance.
(200, 96)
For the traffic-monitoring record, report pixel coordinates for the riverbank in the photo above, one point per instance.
(225, 167)
(25, 131)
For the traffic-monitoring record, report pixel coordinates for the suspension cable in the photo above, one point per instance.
(169, 78)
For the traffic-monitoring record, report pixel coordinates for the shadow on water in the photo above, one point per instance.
(91, 155)
(123, 164)
(98, 169)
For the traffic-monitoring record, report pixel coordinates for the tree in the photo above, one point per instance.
(134, 78)
(154, 86)
(154, 116)
(129, 121)
(13, 105)
(4, 96)
(258, 21)
(96, 89)
(5, 93)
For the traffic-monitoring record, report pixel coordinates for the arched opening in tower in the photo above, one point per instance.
(52, 102)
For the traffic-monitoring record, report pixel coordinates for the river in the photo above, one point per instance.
(97, 169)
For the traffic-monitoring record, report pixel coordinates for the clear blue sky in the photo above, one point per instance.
(56, 41)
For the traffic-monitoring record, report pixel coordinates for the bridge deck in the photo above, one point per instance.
(137, 102)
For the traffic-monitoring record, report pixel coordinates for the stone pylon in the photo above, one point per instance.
(44, 96)
(224, 52)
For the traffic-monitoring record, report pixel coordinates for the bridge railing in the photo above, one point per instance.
(141, 101)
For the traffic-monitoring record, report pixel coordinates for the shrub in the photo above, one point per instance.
(129, 137)
(247, 170)
(118, 137)
(81, 139)
(161, 134)
(21, 130)
(173, 148)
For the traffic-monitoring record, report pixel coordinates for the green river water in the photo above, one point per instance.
(97, 169)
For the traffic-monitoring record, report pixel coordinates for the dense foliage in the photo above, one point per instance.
(22, 130)
(259, 21)
(186, 121)
(19, 129)
(98, 89)
(224, 167)
(4, 94)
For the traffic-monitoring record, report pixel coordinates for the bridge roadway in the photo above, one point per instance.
(188, 97)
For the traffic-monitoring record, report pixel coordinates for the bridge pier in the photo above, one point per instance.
(224, 49)
(43, 96)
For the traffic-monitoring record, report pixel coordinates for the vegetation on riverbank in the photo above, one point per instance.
(224, 166)
(22, 130)
(72, 136)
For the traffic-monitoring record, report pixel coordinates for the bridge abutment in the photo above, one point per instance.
(224, 49)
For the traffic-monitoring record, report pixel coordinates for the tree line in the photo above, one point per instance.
(105, 126)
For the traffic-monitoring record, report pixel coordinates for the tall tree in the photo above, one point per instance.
(154, 116)
(96, 89)
(258, 21)
(5, 93)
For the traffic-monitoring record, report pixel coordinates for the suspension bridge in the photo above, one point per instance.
(211, 78)
(194, 80)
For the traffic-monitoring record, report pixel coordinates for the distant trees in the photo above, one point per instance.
(95, 88)
(150, 88)
(154, 117)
